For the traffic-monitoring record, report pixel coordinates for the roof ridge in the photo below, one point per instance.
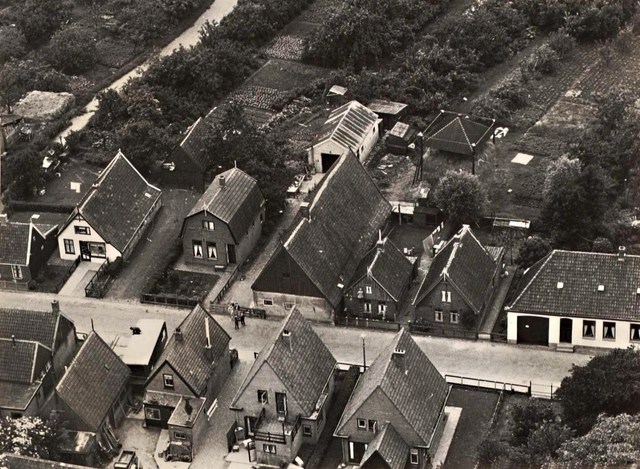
(464, 132)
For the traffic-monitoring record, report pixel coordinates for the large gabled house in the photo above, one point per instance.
(351, 127)
(24, 250)
(284, 399)
(380, 284)
(93, 395)
(326, 242)
(36, 347)
(459, 284)
(182, 390)
(225, 224)
(582, 299)
(112, 216)
(396, 410)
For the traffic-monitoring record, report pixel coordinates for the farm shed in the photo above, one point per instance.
(399, 138)
(389, 111)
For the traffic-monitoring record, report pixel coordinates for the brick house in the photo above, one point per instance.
(325, 244)
(284, 399)
(380, 284)
(36, 347)
(401, 396)
(93, 395)
(351, 127)
(459, 284)
(225, 224)
(578, 299)
(112, 216)
(24, 250)
(183, 388)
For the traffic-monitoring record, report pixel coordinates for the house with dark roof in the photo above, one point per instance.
(94, 393)
(380, 283)
(16, 461)
(396, 412)
(24, 250)
(351, 127)
(284, 399)
(459, 284)
(326, 242)
(225, 224)
(183, 388)
(36, 346)
(578, 299)
(112, 216)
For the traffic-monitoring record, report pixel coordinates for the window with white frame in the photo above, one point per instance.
(267, 302)
(208, 225)
(362, 424)
(180, 436)
(437, 316)
(168, 381)
(16, 271)
(635, 332)
(263, 397)
(151, 413)
(197, 248)
(414, 457)
(69, 247)
(454, 318)
(382, 308)
(367, 307)
(373, 426)
(609, 330)
(83, 230)
(269, 448)
(446, 296)
(368, 290)
(306, 430)
(589, 329)
(212, 251)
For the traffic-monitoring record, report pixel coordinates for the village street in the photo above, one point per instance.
(483, 360)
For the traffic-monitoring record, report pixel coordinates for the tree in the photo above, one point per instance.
(30, 436)
(542, 445)
(527, 419)
(12, 43)
(460, 196)
(24, 170)
(613, 441)
(602, 244)
(608, 384)
(532, 250)
(37, 19)
(72, 50)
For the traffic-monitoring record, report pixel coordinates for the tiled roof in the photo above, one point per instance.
(14, 461)
(93, 382)
(464, 263)
(17, 395)
(415, 387)
(346, 212)
(390, 447)
(302, 362)
(14, 243)
(40, 326)
(382, 106)
(457, 133)
(348, 125)
(188, 357)
(580, 275)
(22, 361)
(388, 267)
(237, 204)
(118, 202)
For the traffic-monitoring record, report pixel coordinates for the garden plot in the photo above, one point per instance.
(289, 44)
(321, 10)
(259, 97)
(286, 76)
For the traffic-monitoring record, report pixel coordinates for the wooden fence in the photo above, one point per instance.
(167, 299)
(100, 282)
(544, 391)
(226, 285)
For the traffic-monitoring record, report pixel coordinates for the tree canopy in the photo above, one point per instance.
(29, 436)
(461, 196)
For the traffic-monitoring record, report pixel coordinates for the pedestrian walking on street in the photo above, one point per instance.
(242, 318)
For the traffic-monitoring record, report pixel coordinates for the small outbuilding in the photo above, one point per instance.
(400, 137)
(389, 111)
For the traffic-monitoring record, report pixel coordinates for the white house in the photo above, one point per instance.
(350, 127)
(578, 299)
(112, 216)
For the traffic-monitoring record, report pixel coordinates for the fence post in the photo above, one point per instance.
(529, 391)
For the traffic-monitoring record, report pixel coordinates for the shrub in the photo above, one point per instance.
(527, 419)
(38, 19)
(13, 44)
(490, 451)
(563, 43)
(544, 60)
(623, 42)
(72, 50)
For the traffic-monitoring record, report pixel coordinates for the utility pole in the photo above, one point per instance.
(363, 336)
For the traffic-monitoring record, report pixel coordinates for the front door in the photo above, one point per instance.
(281, 403)
(231, 253)
(566, 326)
(85, 252)
(356, 451)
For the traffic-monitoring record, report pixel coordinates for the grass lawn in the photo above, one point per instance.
(284, 75)
(189, 284)
(473, 426)
(50, 278)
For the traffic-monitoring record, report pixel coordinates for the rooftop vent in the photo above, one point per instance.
(560, 285)
(222, 182)
(178, 334)
(305, 210)
(622, 251)
(600, 287)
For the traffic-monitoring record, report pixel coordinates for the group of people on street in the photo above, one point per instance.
(237, 315)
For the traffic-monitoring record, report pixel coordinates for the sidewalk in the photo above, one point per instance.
(496, 305)
(79, 279)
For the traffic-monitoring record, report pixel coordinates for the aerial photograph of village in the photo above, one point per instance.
(320, 234)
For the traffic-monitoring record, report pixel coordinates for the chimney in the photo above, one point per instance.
(304, 210)
(178, 335)
(286, 337)
(55, 307)
(3, 219)
(188, 408)
(380, 242)
(622, 252)
(222, 182)
(208, 350)
(399, 357)
(13, 340)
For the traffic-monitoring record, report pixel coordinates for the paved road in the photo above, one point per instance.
(486, 360)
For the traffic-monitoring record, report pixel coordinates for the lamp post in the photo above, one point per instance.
(421, 139)
(363, 336)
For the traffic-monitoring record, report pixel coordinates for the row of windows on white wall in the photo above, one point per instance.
(608, 330)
